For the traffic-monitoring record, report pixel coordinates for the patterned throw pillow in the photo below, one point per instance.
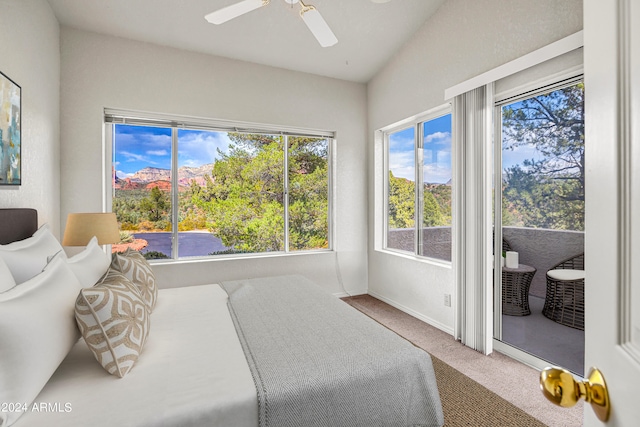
(133, 265)
(114, 321)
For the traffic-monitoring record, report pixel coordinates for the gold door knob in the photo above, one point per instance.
(560, 387)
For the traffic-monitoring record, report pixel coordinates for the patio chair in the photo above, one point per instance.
(506, 247)
(564, 301)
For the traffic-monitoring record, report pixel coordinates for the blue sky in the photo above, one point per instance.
(518, 154)
(140, 146)
(437, 152)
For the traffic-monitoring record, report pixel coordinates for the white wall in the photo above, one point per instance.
(100, 71)
(463, 39)
(30, 56)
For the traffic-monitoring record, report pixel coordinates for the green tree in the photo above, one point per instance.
(401, 202)
(243, 199)
(308, 208)
(155, 204)
(436, 205)
(548, 191)
(442, 194)
(431, 215)
(308, 176)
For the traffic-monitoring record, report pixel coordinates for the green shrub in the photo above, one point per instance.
(154, 255)
(229, 251)
(125, 236)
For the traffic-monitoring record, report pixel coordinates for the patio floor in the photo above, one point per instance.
(558, 344)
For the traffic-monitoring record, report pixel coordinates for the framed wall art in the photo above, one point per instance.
(10, 126)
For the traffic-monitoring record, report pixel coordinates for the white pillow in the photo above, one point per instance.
(37, 330)
(6, 278)
(91, 264)
(26, 258)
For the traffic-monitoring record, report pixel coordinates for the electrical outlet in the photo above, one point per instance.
(447, 300)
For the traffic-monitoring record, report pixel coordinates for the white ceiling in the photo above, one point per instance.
(369, 33)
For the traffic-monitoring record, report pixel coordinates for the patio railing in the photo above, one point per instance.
(538, 247)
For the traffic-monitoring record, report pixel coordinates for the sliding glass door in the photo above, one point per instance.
(539, 217)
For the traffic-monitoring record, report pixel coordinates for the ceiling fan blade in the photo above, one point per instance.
(233, 11)
(318, 26)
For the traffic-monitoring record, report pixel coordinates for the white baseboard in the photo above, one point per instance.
(414, 313)
(341, 294)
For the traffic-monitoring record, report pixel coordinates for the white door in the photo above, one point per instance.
(612, 243)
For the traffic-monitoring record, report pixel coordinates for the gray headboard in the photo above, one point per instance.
(17, 224)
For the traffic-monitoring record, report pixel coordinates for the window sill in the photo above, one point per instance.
(237, 257)
(413, 257)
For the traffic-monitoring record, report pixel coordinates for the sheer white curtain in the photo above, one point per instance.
(473, 117)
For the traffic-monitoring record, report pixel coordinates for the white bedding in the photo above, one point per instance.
(192, 372)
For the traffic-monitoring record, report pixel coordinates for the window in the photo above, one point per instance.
(543, 159)
(419, 217)
(539, 205)
(191, 190)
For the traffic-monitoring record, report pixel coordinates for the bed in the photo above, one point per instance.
(274, 351)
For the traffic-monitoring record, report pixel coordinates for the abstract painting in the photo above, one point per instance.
(10, 118)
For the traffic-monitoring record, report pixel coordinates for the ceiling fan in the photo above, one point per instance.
(310, 15)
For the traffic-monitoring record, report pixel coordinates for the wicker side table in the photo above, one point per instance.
(515, 290)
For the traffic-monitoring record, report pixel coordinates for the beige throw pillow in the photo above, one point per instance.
(136, 268)
(114, 321)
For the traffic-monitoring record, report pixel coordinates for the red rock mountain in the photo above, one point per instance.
(150, 177)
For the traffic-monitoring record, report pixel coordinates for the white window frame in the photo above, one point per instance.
(416, 122)
(119, 116)
(557, 81)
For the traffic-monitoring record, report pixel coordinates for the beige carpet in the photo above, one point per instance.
(476, 390)
(467, 403)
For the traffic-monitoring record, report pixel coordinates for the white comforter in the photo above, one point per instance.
(192, 372)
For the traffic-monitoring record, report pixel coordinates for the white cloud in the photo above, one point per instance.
(157, 140)
(157, 152)
(402, 165)
(436, 155)
(438, 136)
(191, 163)
(121, 174)
(437, 158)
(145, 139)
(401, 142)
(518, 154)
(199, 148)
(134, 157)
(436, 173)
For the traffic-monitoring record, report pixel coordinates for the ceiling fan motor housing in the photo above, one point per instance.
(309, 14)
